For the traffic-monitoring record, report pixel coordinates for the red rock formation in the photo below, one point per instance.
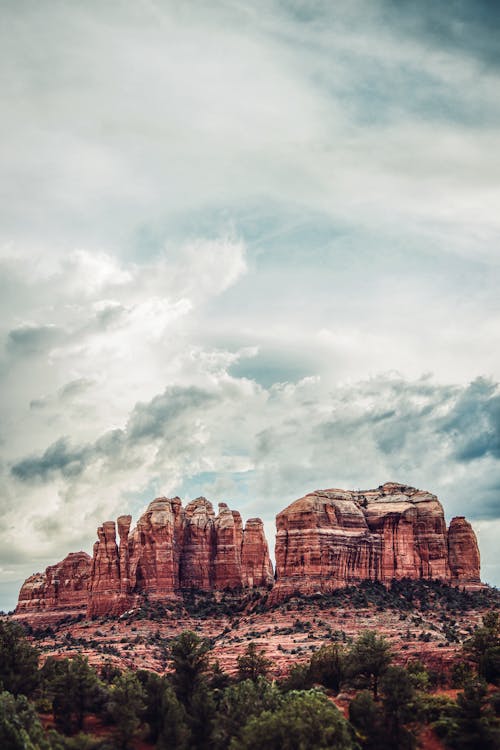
(228, 543)
(63, 587)
(256, 567)
(413, 530)
(104, 584)
(173, 549)
(196, 569)
(123, 523)
(325, 540)
(332, 538)
(155, 547)
(463, 553)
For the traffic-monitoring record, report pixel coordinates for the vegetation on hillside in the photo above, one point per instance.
(65, 704)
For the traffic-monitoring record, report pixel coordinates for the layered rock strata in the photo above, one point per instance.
(174, 549)
(325, 540)
(463, 554)
(62, 587)
(333, 538)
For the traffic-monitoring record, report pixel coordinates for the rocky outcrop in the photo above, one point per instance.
(155, 549)
(256, 567)
(333, 538)
(463, 554)
(175, 549)
(61, 588)
(227, 551)
(198, 544)
(325, 540)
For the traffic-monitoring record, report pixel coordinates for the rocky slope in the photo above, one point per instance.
(326, 540)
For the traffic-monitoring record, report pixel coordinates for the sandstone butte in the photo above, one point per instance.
(325, 540)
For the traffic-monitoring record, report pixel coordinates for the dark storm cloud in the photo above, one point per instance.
(59, 457)
(162, 417)
(473, 424)
(467, 26)
(149, 421)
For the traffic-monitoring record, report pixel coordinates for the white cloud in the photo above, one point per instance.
(269, 203)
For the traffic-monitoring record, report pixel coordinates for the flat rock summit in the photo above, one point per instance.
(326, 540)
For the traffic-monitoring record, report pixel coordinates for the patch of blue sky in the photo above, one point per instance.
(377, 94)
(8, 594)
(270, 366)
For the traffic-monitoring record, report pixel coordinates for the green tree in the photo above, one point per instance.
(328, 666)
(126, 704)
(108, 671)
(398, 695)
(201, 717)
(18, 660)
(305, 719)
(484, 647)
(253, 663)
(298, 678)
(419, 675)
(369, 658)
(217, 678)
(461, 674)
(189, 655)
(241, 702)
(79, 741)
(190, 659)
(154, 688)
(76, 692)
(20, 727)
(173, 731)
(366, 717)
(476, 725)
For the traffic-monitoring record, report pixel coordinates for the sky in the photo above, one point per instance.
(247, 250)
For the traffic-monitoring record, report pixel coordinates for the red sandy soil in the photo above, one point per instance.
(289, 635)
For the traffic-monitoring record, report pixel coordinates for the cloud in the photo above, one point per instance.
(460, 26)
(474, 421)
(30, 339)
(59, 457)
(160, 418)
(236, 239)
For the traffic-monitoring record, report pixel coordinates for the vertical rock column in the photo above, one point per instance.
(463, 554)
(155, 549)
(198, 548)
(256, 567)
(228, 543)
(104, 587)
(123, 523)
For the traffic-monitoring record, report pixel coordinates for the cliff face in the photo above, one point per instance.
(325, 540)
(63, 587)
(463, 553)
(333, 538)
(173, 549)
